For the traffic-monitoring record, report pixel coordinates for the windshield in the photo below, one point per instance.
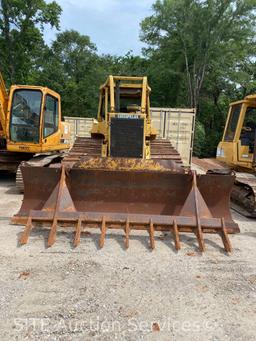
(25, 116)
(232, 123)
(248, 132)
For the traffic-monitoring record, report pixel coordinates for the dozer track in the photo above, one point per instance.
(83, 146)
(91, 147)
(163, 149)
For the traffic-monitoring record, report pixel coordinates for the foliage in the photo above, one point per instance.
(199, 53)
(72, 68)
(203, 50)
(199, 138)
(22, 24)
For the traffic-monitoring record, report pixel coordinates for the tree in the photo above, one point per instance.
(199, 32)
(201, 54)
(72, 67)
(21, 35)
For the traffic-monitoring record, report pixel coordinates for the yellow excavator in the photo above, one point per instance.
(237, 150)
(123, 177)
(30, 127)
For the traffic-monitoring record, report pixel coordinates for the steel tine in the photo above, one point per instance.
(199, 233)
(78, 232)
(151, 234)
(103, 232)
(176, 235)
(53, 233)
(127, 232)
(224, 236)
(26, 232)
(200, 237)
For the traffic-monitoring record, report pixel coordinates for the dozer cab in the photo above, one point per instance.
(123, 177)
(30, 124)
(237, 150)
(238, 145)
(123, 127)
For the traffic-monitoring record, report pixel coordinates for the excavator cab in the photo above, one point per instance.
(30, 124)
(238, 145)
(34, 121)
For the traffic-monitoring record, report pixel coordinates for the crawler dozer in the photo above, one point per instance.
(30, 127)
(123, 177)
(237, 150)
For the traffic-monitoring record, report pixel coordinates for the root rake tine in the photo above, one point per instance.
(225, 238)
(127, 232)
(151, 234)
(78, 233)
(176, 235)
(53, 232)
(103, 232)
(200, 238)
(199, 233)
(26, 232)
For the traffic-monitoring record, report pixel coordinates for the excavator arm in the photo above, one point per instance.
(3, 107)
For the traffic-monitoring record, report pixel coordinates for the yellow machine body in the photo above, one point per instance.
(30, 120)
(238, 145)
(237, 150)
(58, 135)
(124, 109)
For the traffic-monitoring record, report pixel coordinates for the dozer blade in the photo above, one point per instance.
(150, 200)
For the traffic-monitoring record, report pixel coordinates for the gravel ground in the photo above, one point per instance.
(62, 293)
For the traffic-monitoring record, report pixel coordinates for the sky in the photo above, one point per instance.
(113, 25)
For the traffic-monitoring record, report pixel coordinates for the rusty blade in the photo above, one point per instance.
(149, 193)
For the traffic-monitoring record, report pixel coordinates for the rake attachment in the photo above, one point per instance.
(128, 200)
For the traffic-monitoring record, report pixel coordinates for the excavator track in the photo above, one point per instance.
(91, 147)
(243, 195)
(9, 161)
(19, 180)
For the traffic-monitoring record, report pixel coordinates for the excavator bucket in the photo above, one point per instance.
(128, 199)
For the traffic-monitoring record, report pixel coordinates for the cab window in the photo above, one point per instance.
(51, 116)
(232, 123)
(248, 132)
(25, 115)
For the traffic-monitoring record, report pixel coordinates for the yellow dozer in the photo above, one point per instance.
(30, 124)
(237, 150)
(123, 177)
